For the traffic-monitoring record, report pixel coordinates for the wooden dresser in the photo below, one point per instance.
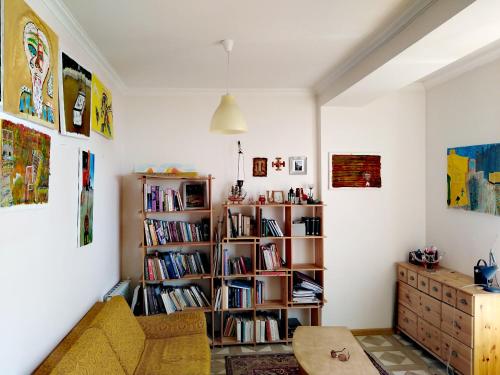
(452, 320)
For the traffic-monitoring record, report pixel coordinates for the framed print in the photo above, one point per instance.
(278, 197)
(298, 165)
(260, 167)
(354, 171)
(194, 195)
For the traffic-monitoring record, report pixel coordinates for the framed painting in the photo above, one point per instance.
(102, 109)
(24, 166)
(473, 178)
(86, 198)
(194, 195)
(31, 79)
(259, 167)
(356, 171)
(75, 96)
(298, 165)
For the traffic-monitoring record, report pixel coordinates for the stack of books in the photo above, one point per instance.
(269, 257)
(305, 289)
(240, 225)
(240, 327)
(161, 232)
(267, 329)
(313, 225)
(158, 199)
(174, 265)
(259, 292)
(234, 294)
(270, 228)
(159, 299)
(237, 265)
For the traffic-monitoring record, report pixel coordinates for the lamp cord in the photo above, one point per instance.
(228, 73)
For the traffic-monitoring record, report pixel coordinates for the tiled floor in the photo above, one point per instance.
(397, 355)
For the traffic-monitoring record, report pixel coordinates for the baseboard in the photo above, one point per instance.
(373, 331)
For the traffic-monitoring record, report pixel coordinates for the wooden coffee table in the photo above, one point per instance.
(312, 346)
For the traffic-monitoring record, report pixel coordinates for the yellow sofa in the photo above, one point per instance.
(111, 340)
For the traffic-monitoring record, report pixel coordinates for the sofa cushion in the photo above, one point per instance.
(122, 331)
(90, 354)
(181, 355)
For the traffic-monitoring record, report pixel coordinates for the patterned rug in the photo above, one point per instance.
(272, 364)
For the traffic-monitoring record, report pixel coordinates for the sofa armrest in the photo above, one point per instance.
(179, 324)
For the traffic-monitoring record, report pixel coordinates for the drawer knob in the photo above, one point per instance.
(407, 296)
(427, 308)
(402, 273)
(428, 335)
(435, 288)
(406, 320)
(454, 353)
(463, 301)
(455, 324)
(448, 294)
(412, 278)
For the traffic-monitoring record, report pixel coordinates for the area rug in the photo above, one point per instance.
(272, 364)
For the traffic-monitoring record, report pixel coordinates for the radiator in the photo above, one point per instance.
(122, 288)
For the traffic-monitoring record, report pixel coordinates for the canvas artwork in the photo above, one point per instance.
(259, 167)
(102, 109)
(359, 171)
(86, 198)
(473, 178)
(25, 165)
(31, 67)
(75, 91)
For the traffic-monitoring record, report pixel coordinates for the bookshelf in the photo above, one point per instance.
(190, 246)
(299, 253)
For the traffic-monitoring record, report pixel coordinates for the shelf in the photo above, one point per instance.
(237, 276)
(271, 305)
(268, 273)
(240, 240)
(204, 211)
(165, 176)
(171, 244)
(292, 305)
(307, 267)
(273, 205)
(235, 309)
(185, 277)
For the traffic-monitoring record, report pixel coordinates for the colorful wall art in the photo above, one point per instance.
(86, 198)
(75, 93)
(360, 171)
(31, 84)
(24, 166)
(473, 178)
(102, 109)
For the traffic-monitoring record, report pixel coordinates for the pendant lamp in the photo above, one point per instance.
(228, 118)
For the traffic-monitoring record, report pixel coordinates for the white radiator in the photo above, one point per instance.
(120, 289)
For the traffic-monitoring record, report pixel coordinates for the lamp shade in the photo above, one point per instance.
(228, 118)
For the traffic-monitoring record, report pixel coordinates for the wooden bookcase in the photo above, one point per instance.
(191, 215)
(282, 305)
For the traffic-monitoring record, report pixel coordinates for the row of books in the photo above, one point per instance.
(240, 225)
(234, 294)
(270, 228)
(270, 258)
(240, 327)
(159, 199)
(161, 232)
(259, 291)
(237, 265)
(267, 329)
(174, 265)
(305, 289)
(313, 225)
(159, 299)
(218, 255)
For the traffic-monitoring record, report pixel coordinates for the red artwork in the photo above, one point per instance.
(356, 171)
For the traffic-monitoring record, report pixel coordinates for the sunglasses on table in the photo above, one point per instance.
(342, 355)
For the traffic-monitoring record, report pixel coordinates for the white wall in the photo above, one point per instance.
(174, 128)
(370, 229)
(48, 283)
(463, 111)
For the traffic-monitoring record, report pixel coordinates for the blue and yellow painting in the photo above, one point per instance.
(474, 178)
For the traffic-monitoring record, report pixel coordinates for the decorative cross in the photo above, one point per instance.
(278, 164)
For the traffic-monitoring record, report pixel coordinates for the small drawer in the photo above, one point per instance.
(449, 295)
(407, 320)
(429, 336)
(460, 356)
(412, 278)
(430, 310)
(423, 283)
(457, 324)
(409, 297)
(435, 289)
(402, 274)
(465, 302)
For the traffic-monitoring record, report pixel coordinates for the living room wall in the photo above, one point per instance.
(463, 111)
(48, 282)
(371, 229)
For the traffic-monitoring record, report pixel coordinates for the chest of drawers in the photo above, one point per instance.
(454, 321)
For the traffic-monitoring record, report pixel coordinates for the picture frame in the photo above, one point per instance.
(298, 165)
(376, 176)
(278, 197)
(259, 167)
(194, 195)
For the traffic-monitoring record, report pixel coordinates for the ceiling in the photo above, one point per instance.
(285, 44)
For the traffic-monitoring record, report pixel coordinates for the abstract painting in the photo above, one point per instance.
(31, 67)
(359, 171)
(86, 198)
(75, 96)
(260, 167)
(473, 178)
(102, 109)
(24, 166)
